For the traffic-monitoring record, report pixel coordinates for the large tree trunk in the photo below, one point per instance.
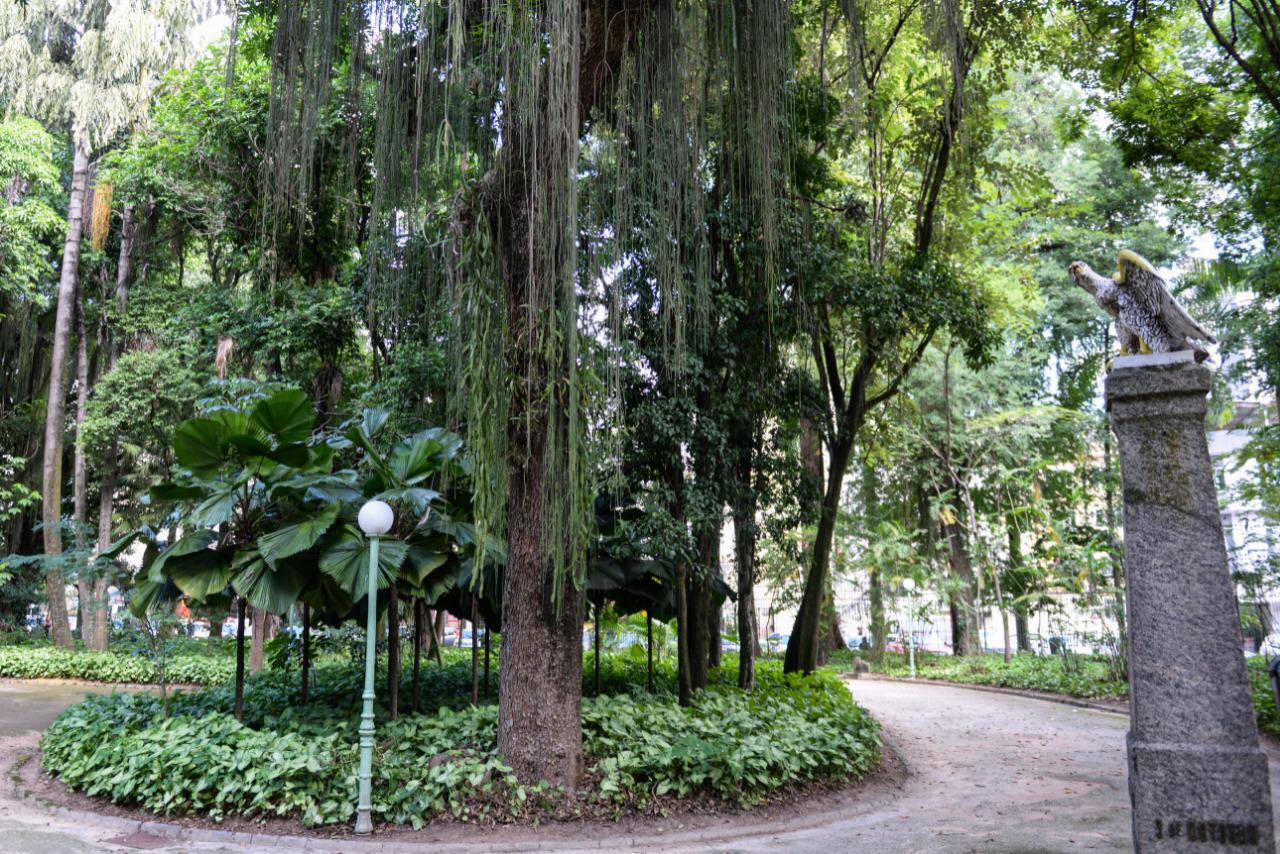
(55, 412)
(531, 211)
(802, 650)
(540, 673)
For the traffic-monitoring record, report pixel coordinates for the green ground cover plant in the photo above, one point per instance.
(49, 662)
(643, 750)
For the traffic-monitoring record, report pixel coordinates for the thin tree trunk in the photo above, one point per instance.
(711, 565)
(744, 557)
(56, 412)
(258, 641)
(596, 643)
(418, 628)
(393, 652)
(1004, 615)
(685, 686)
(240, 611)
(101, 584)
(306, 652)
(648, 625)
(802, 650)
(80, 477)
(487, 648)
(879, 626)
(107, 488)
(437, 635)
(475, 651)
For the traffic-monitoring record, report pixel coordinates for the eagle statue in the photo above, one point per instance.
(1148, 318)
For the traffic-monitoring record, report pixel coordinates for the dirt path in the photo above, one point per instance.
(988, 772)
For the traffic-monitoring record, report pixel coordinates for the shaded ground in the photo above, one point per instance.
(987, 772)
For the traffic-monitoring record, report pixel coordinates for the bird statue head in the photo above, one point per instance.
(1083, 276)
(1133, 258)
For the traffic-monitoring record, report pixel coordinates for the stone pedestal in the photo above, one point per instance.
(1197, 778)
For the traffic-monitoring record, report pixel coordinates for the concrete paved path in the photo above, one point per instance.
(988, 773)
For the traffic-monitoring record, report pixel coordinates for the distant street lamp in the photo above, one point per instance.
(375, 520)
(909, 584)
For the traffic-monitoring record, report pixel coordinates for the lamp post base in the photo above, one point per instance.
(364, 823)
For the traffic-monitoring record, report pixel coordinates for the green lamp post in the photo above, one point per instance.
(375, 519)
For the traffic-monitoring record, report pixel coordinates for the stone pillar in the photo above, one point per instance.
(1197, 778)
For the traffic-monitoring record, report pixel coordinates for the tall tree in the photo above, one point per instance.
(91, 70)
(873, 321)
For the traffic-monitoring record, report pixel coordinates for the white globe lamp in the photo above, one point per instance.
(376, 518)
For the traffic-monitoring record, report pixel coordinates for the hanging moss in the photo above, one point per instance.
(478, 112)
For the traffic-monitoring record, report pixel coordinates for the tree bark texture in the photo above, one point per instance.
(966, 640)
(56, 412)
(258, 640)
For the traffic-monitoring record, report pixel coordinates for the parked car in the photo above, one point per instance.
(729, 645)
(199, 629)
(777, 642)
(229, 628)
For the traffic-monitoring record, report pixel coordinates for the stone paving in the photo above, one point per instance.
(988, 773)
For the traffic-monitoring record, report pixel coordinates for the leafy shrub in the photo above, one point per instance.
(1025, 672)
(735, 745)
(1264, 699)
(302, 761)
(49, 662)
